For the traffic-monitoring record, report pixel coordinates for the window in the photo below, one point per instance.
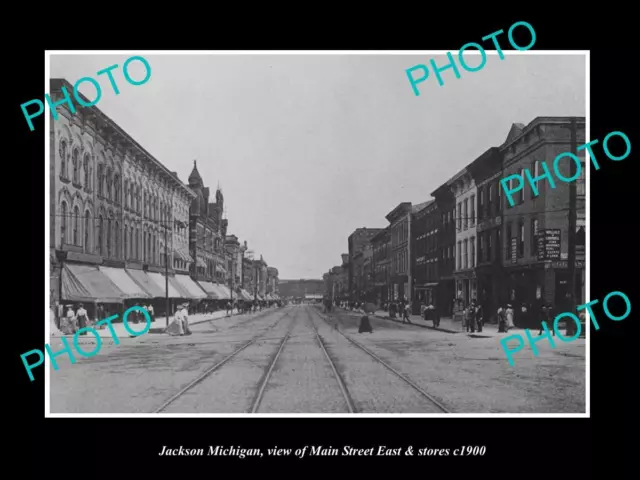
(108, 237)
(125, 251)
(473, 210)
(100, 235)
(480, 248)
(481, 203)
(87, 184)
(465, 251)
(524, 183)
(63, 159)
(63, 223)
(459, 257)
(472, 247)
(109, 183)
(100, 175)
(76, 231)
(499, 195)
(86, 231)
(521, 240)
(534, 233)
(76, 166)
(507, 250)
(116, 188)
(459, 222)
(580, 181)
(117, 240)
(498, 243)
(137, 241)
(488, 250)
(534, 171)
(465, 214)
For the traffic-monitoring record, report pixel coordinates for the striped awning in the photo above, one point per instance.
(182, 254)
(195, 291)
(212, 292)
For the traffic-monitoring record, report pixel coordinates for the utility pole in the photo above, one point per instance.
(571, 327)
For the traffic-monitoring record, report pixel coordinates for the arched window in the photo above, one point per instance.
(109, 183)
(138, 199)
(144, 204)
(100, 175)
(137, 243)
(63, 223)
(87, 183)
(132, 252)
(86, 231)
(126, 193)
(63, 159)
(153, 249)
(76, 166)
(117, 242)
(116, 189)
(109, 237)
(100, 235)
(76, 231)
(125, 252)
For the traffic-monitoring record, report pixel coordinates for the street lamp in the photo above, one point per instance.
(181, 225)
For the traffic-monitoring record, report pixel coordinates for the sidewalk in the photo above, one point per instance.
(157, 326)
(447, 325)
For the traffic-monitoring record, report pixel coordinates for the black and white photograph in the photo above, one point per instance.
(286, 233)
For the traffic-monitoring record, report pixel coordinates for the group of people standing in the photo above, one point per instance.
(179, 326)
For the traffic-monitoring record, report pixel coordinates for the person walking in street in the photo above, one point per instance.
(406, 307)
(67, 322)
(470, 316)
(547, 317)
(151, 313)
(509, 317)
(176, 327)
(185, 319)
(81, 316)
(479, 317)
(502, 319)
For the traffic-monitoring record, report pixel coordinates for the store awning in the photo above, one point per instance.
(245, 295)
(184, 293)
(124, 282)
(268, 297)
(160, 281)
(195, 291)
(209, 287)
(147, 283)
(86, 283)
(225, 293)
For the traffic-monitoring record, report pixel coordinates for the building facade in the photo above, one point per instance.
(536, 228)
(272, 280)
(464, 190)
(207, 232)
(112, 205)
(425, 254)
(357, 241)
(446, 292)
(381, 249)
(400, 229)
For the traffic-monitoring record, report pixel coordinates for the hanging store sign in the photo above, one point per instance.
(514, 250)
(549, 244)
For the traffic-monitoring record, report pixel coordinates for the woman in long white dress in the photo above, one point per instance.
(176, 327)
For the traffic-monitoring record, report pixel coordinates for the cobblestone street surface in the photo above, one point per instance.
(296, 359)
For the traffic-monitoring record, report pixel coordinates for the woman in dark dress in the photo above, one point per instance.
(365, 325)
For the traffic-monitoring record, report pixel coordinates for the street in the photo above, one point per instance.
(274, 362)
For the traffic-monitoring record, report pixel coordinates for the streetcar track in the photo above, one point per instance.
(382, 362)
(217, 366)
(339, 379)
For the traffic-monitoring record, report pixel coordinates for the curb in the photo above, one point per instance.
(438, 329)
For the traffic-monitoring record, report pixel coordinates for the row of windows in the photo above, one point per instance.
(466, 257)
(466, 213)
(535, 171)
(400, 262)
(401, 233)
(137, 243)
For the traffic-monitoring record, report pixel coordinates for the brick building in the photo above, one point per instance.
(445, 202)
(536, 228)
(381, 249)
(357, 241)
(425, 255)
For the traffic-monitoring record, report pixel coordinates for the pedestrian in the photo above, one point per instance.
(470, 316)
(152, 314)
(176, 327)
(185, 319)
(547, 317)
(502, 320)
(479, 318)
(509, 317)
(405, 312)
(67, 325)
(81, 316)
(365, 325)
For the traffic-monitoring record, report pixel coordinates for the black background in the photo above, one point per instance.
(516, 448)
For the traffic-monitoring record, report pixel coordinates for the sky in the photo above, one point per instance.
(307, 148)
